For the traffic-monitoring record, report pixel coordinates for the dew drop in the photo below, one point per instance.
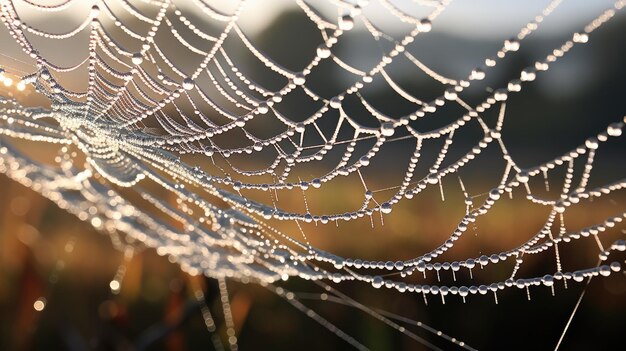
(514, 85)
(335, 102)
(346, 22)
(299, 79)
(432, 178)
(581, 37)
(523, 177)
(425, 25)
(578, 276)
(592, 143)
(377, 282)
(300, 127)
(137, 58)
(500, 95)
(477, 74)
(547, 280)
(528, 75)
(559, 208)
(494, 194)
(39, 304)
(616, 266)
(95, 11)
(614, 129)
(387, 129)
(511, 45)
(450, 94)
(323, 51)
(605, 270)
(188, 84)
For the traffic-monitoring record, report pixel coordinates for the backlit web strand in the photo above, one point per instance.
(143, 117)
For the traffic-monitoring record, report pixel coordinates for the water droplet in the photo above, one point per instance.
(592, 143)
(316, 183)
(581, 37)
(188, 84)
(619, 245)
(385, 208)
(604, 270)
(387, 129)
(541, 66)
(616, 266)
(425, 25)
(523, 177)
(299, 79)
(346, 22)
(559, 208)
(45, 74)
(547, 280)
(578, 276)
(377, 282)
(494, 194)
(39, 304)
(364, 161)
(614, 129)
(95, 11)
(433, 178)
(450, 94)
(263, 108)
(515, 85)
(477, 74)
(137, 58)
(335, 102)
(114, 285)
(528, 75)
(323, 51)
(511, 44)
(500, 95)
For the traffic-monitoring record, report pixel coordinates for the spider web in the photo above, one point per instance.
(167, 138)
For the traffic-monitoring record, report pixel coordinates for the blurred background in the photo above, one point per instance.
(55, 270)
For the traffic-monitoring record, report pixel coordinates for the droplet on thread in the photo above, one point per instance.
(299, 79)
(346, 22)
(323, 51)
(188, 84)
(137, 58)
(477, 74)
(387, 129)
(425, 25)
(511, 44)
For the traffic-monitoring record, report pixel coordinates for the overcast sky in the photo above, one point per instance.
(475, 18)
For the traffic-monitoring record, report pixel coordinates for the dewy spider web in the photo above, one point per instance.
(196, 123)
